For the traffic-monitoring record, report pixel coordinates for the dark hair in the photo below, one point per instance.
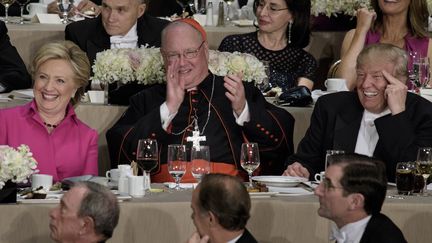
(300, 29)
(417, 17)
(364, 175)
(101, 205)
(227, 198)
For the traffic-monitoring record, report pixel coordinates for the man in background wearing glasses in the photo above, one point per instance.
(227, 111)
(351, 195)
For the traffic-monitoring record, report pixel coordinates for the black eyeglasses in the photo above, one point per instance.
(188, 53)
(272, 10)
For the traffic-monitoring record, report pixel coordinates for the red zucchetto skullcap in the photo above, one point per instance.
(195, 25)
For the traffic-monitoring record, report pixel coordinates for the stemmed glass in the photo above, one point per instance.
(176, 161)
(249, 159)
(329, 154)
(22, 4)
(424, 165)
(6, 4)
(147, 158)
(184, 4)
(200, 162)
(65, 6)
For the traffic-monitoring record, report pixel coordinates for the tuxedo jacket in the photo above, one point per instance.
(380, 229)
(13, 72)
(247, 237)
(91, 37)
(269, 126)
(335, 123)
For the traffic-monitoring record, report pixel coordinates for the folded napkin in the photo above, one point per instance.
(182, 185)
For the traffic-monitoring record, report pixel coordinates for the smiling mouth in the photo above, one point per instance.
(49, 97)
(370, 93)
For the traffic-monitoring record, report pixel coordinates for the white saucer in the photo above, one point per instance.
(27, 16)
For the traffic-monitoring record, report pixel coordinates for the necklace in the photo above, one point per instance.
(50, 125)
(195, 120)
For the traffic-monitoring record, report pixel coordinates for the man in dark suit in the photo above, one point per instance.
(220, 210)
(13, 72)
(380, 119)
(351, 195)
(122, 24)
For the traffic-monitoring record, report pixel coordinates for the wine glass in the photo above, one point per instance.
(424, 165)
(200, 162)
(6, 4)
(229, 3)
(22, 4)
(249, 159)
(65, 6)
(176, 161)
(329, 154)
(147, 158)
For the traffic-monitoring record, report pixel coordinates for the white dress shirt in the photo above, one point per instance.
(350, 233)
(130, 40)
(367, 138)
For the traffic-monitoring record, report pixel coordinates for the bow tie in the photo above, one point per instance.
(337, 235)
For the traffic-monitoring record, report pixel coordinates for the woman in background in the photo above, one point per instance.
(62, 145)
(401, 23)
(283, 32)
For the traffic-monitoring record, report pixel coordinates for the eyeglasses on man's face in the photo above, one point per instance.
(328, 185)
(272, 8)
(188, 53)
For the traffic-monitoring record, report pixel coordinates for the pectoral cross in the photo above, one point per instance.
(196, 138)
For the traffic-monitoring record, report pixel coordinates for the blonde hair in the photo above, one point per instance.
(68, 51)
(388, 53)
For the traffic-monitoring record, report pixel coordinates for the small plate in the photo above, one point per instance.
(27, 17)
(55, 192)
(261, 194)
(280, 181)
(243, 22)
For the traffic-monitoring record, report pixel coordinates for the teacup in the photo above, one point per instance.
(335, 84)
(35, 8)
(319, 176)
(96, 96)
(113, 174)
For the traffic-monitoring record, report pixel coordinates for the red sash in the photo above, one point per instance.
(216, 167)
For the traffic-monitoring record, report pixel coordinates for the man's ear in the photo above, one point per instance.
(212, 219)
(141, 9)
(356, 201)
(88, 225)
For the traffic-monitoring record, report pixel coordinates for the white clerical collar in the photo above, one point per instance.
(350, 233)
(130, 40)
(370, 117)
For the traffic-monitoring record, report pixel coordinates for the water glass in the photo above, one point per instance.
(405, 174)
(200, 160)
(176, 161)
(65, 6)
(6, 4)
(249, 159)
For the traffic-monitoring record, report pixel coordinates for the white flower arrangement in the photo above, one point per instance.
(16, 164)
(145, 66)
(334, 7)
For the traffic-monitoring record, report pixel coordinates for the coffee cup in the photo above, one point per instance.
(136, 186)
(335, 84)
(41, 180)
(35, 8)
(319, 176)
(113, 174)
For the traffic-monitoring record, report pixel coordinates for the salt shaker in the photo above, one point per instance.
(209, 15)
(221, 19)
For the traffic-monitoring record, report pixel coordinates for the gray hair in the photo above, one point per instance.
(388, 53)
(101, 205)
